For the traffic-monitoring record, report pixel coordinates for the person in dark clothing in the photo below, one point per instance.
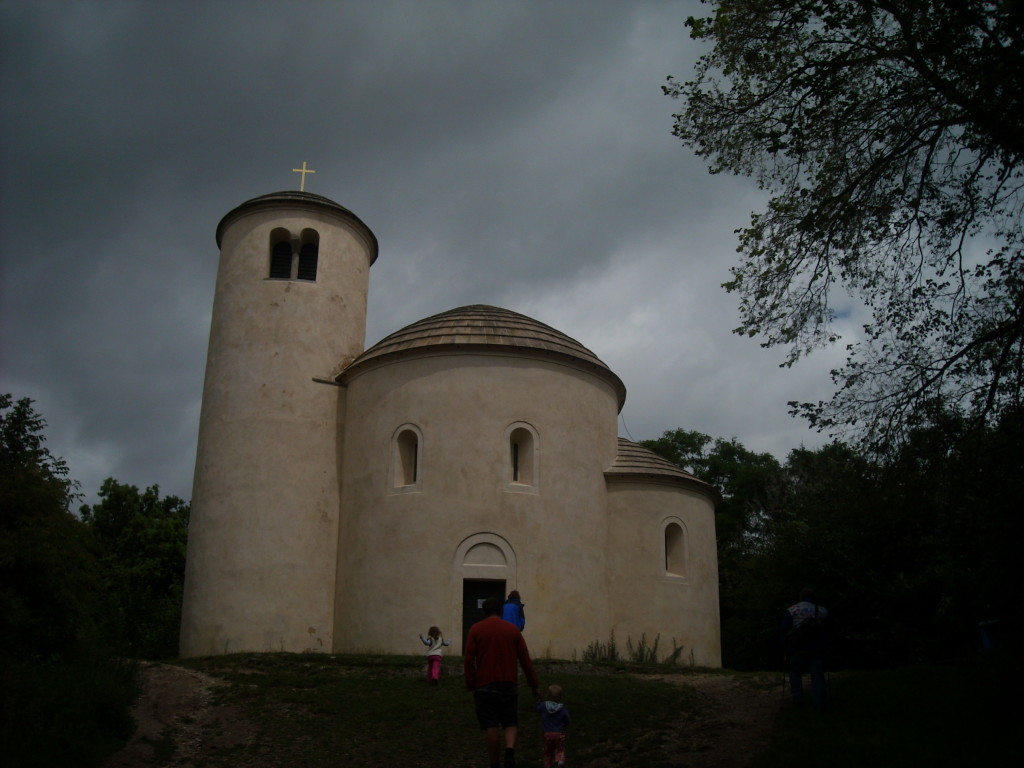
(554, 720)
(494, 650)
(804, 632)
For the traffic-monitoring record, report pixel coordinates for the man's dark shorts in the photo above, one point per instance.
(497, 705)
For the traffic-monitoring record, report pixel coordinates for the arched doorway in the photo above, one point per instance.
(485, 566)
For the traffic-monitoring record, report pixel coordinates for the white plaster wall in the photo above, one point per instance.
(399, 567)
(647, 600)
(263, 533)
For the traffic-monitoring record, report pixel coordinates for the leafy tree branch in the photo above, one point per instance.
(890, 135)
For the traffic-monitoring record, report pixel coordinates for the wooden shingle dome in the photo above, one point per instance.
(480, 327)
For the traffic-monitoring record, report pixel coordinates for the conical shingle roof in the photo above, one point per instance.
(634, 462)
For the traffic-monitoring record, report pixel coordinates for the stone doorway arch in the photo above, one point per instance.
(485, 566)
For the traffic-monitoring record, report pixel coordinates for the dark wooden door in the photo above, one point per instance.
(474, 592)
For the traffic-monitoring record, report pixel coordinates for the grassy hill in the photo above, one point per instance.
(320, 711)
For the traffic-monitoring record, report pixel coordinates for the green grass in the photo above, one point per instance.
(341, 710)
(938, 716)
(315, 711)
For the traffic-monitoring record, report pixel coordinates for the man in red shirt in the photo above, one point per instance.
(494, 648)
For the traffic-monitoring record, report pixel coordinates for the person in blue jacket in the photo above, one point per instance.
(513, 610)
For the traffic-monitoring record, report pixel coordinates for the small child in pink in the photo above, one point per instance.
(435, 646)
(554, 719)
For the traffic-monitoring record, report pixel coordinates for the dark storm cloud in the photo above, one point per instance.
(512, 153)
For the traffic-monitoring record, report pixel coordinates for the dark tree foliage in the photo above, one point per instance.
(836, 531)
(49, 577)
(909, 554)
(890, 134)
(64, 700)
(964, 501)
(142, 539)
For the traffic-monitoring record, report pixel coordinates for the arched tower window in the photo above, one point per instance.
(522, 458)
(675, 549)
(308, 254)
(280, 255)
(406, 470)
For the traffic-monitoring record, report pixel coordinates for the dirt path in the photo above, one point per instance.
(175, 717)
(732, 724)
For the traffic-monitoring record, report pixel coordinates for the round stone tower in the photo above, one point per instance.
(289, 314)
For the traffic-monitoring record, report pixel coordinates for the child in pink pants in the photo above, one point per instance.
(435, 646)
(554, 719)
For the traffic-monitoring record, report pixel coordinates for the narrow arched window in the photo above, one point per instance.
(408, 458)
(406, 468)
(308, 254)
(281, 260)
(675, 550)
(522, 457)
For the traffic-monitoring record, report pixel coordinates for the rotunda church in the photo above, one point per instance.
(345, 499)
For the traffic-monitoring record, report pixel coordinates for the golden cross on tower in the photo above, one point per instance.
(303, 170)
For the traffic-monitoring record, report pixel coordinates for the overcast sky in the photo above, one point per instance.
(513, 153)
